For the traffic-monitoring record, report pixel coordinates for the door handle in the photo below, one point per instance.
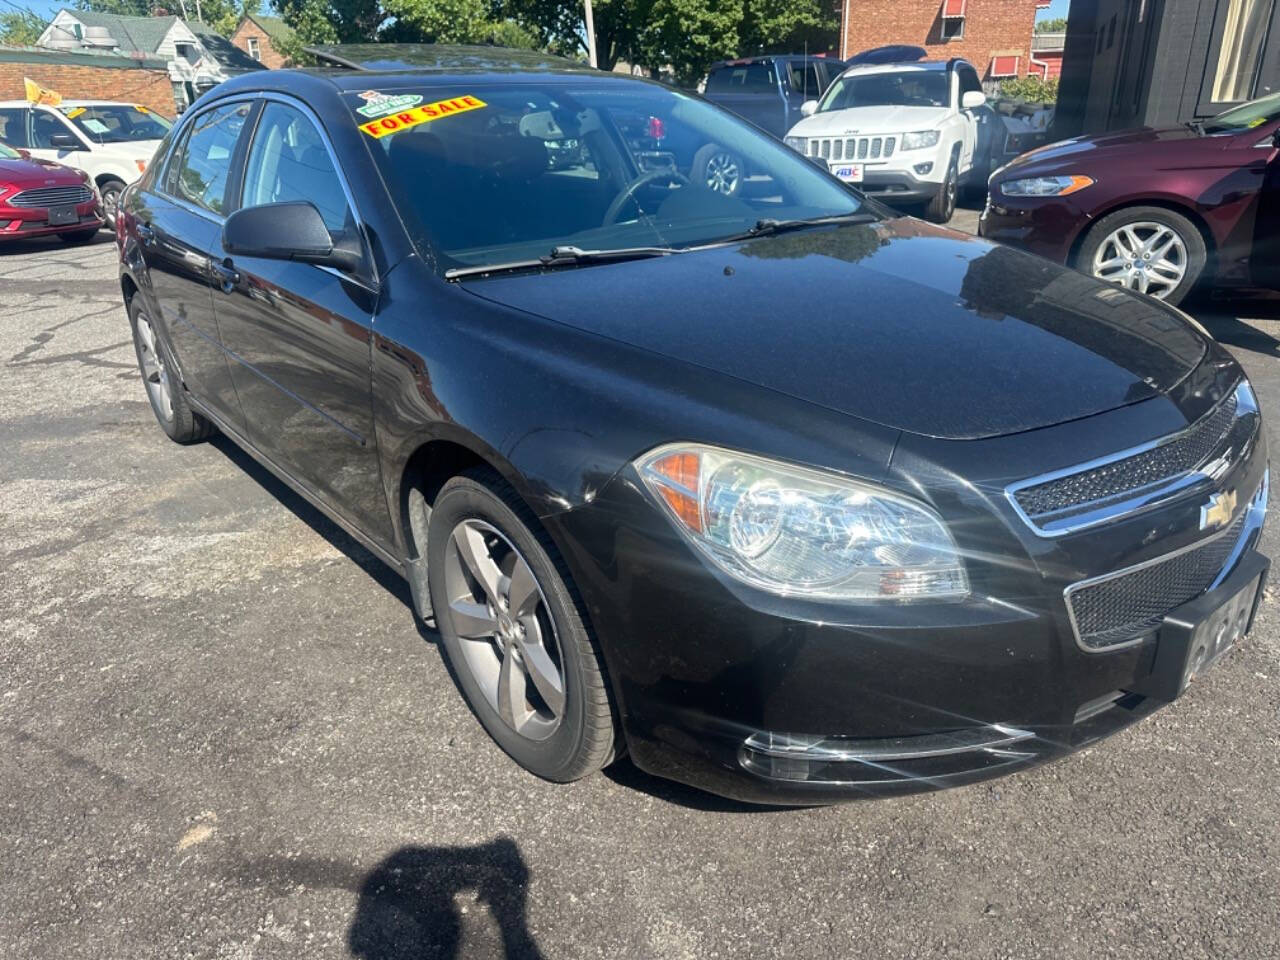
(146, 235)
(226, 275)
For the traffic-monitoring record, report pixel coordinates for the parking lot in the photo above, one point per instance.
(223, 735)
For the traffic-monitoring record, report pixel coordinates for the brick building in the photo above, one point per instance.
(89, 76)
(993, 35)
(261, 38)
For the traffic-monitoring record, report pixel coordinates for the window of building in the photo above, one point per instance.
(1240, 50)
(187, 51)
(253, 48)
(953, 19)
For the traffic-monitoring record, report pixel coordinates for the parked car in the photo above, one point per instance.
(719, 482)
(39, 197)
(907, 133)
(769, 91)
(111, 142)
(1157, 211)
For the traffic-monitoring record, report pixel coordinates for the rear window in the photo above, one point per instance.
(741, 78)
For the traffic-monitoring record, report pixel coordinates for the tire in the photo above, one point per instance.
(479, 522)
(79, 236)
(166, 395)
(110, 189)
(718, 169)
(1166, 273)
(943, 205)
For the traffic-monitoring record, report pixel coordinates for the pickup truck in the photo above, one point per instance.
(769, 91)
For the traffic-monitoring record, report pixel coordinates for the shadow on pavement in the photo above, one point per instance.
(1226, 317)
(338, 538)
(51, 244)
(626, 774)
(412, 904)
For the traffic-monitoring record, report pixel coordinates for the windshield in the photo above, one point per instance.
(910, 88)
(1246, 116)
(117, 122)
(496, 174)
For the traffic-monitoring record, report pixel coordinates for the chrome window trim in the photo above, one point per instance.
(1255, 513)
(1140, 499)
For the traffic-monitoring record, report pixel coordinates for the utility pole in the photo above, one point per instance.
(591, 35)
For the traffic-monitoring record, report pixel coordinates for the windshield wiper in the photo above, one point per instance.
(769, 226)
(564, 256)
(1196, 125)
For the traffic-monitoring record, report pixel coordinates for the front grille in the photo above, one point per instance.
(852, 148)
(52, 197)
(1123, 608)
(1054, 501)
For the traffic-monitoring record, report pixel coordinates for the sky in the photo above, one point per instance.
(1057, 8)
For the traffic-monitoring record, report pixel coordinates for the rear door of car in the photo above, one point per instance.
(299, 335)
(179, 216)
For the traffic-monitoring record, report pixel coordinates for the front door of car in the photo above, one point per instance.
(299, 335)
(972, 119)
(178, 218)
(1244, 196)
(52, 138)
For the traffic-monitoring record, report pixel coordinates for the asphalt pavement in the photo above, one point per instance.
(223, 735)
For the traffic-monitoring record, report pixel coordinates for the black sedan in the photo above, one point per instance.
(783, 495)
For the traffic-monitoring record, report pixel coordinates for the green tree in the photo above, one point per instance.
(787, 26)
(1055, 25)
(689, 35)
(20, 27)
(441, 21)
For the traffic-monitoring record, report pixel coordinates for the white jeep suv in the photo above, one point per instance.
(111, 142)
(906, 133)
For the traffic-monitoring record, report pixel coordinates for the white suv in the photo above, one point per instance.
(112, 142)
(907, 133)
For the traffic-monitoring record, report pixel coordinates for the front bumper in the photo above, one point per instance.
(894, 186)
(776, 700)
(1048, 226)
(23, 222)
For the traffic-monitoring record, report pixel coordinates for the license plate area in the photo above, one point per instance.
(1196, 635)
(59, 216)
(849, 172)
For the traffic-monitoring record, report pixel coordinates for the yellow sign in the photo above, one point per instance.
(38, 94)
(72, 114)
(404, 119)
(140, 108)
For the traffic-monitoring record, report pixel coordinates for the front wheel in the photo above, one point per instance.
(943, 206)
(719, 170)
(1151, 250)
(513, 632)
(110, 190)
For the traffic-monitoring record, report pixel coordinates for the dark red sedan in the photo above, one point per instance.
(1152, 210)
(39, 197)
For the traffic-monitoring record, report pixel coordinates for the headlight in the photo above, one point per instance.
(795, 531)
(920, 139)
(1045, 186)
(796, 143)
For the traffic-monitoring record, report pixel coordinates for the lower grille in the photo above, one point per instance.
(1126, 606)
(52, 197)
(852, 148)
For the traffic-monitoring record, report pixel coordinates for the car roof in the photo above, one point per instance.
(69, 103)
(767, 57)
(905, 65)
(441, 58)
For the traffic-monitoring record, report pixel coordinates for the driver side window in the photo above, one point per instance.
(288, 162)
(43, 127)
(968, 80)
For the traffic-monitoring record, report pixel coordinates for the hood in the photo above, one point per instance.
(901, 323)
(862, 120)
(1107, 145)
(29, 173)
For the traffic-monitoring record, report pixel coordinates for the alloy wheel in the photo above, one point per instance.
(154, 372)
(504, 627)
(722, 173)
(110, 203)
(1145, 256)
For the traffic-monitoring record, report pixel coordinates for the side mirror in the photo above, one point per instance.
(972, 99)
(288, 231)
(65, 141)
(808, 108)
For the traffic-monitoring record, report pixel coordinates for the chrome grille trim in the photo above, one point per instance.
(52, 197)
(1219, 553)
(1129, 482)
(852, 148)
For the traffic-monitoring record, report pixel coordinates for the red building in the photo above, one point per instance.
(1046, 54)
(993, 35)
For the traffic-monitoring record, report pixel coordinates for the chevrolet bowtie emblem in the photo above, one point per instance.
(1217, 512)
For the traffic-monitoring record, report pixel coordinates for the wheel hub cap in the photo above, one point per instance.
(1145, 256)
